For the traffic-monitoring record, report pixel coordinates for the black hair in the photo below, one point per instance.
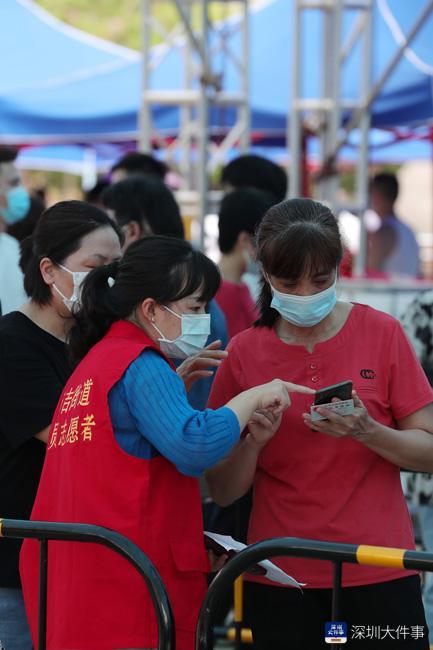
(241, 211)
(295, 238)
(8, 154)
(163, 268)
(93, 195)
(387, 184)
(136, 162)
(25, 227)
(255, 171)
(58, 234)
(148, 201)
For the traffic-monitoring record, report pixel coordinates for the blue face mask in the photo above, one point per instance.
(305, 311)
(251, 265)
(18, 204)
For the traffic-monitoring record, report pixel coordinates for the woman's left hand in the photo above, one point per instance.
(216, 561)
(263, 426)
(357, 425)
(197, 366)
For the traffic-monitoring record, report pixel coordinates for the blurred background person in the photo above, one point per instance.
(14, 206)
(25, 227)
(239, 215)
(392, 248)
(136, 162)
(250, 170)
(142, 206)
(71, 239)
(94, 195)
(14, 198)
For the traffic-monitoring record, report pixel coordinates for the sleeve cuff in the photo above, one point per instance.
(232, 421)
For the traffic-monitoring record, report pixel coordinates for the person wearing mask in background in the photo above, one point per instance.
(392, 248)
(71, 238)
(131, 420)
(143, 206)
(337, 479)
(239, 215)
(24, 228)
(14, 206)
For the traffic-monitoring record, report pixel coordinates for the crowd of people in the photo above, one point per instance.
(135, 371)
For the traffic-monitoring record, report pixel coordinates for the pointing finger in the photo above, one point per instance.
(297, 388)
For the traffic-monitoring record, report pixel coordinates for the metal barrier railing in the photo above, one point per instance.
(291, 546)
(47, 531)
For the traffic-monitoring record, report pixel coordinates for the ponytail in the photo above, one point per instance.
(29, 264)
(26, 250)
(97, 311)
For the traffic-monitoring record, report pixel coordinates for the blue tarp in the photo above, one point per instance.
(61, 85)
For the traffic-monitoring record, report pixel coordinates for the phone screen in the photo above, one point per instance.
(343, 391)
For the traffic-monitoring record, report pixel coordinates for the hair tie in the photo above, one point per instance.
(110, 281)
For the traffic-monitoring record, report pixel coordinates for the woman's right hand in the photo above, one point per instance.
(274, 400)
(268, 399)
(274, 396)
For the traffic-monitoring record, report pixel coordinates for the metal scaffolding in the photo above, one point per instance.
(323, 114)
(203, 46)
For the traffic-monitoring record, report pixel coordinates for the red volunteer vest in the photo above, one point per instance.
(96, 600)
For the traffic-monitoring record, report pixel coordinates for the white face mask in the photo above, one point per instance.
(195, 329)
(78, 279)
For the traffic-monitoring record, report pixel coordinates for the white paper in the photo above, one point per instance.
(343, 407)
(273, 572)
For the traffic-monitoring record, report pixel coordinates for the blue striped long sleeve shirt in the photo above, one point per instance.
(151, 416)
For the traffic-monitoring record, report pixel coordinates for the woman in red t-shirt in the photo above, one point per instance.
(337, 479)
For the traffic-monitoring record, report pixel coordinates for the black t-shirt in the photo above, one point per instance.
(34, 368)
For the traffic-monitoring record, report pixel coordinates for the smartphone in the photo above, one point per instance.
(343, 391)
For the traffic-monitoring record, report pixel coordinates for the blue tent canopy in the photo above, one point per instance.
(66, 86)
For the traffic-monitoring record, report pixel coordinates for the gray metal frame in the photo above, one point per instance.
(203, 88)
(325, 112)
